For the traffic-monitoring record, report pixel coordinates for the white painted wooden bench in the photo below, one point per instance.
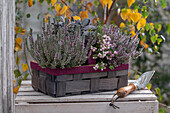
(29, 101)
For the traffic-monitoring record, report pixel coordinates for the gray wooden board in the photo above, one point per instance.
(121, 72)
(93, 107)
(94, 75)
(64, 77)
(27, 94)
(108, 83)
(29, 101)
(77, 86)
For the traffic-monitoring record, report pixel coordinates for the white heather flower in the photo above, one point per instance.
(104, 36)
(99, 55)
(94, 57)
(115, 52)
(108, 58)
(108, 38)
(93, 48)
(94, 68)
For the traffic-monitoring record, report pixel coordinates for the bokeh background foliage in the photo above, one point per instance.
(130, 15)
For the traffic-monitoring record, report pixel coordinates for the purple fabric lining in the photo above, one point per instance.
(75, 70)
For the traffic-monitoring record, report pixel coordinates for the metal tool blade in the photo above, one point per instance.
(144, 79)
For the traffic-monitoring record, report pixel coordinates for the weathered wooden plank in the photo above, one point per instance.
(76, 86)
(111, 74)
(122, 72)
(94, 75)
(35, 79)
(123, 81)
(77, 76)
(64, 77)
(7, 23)
(108, 83)
(50, 87)
(34, 93)
(42, 81)
(95, 107)
(94, 84)
(61, 88)
(28, 82)
(85, 98)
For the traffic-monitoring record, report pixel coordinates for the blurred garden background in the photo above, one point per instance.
(154, 18)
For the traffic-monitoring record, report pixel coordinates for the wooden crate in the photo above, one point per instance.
(29, 101)
(85, 81)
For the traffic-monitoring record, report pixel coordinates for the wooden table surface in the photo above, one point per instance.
(29, 101)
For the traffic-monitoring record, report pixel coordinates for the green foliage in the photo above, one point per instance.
(162, 110)
(163, 3)
(96, 3)
(28, 15)
(17, 73)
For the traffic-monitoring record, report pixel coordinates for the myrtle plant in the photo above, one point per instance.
(60, 48)
(114, 48)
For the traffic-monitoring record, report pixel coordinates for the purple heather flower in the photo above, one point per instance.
(93, 48)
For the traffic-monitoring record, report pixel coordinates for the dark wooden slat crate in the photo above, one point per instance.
(82, 83)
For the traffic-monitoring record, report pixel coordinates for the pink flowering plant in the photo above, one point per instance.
(113, 47)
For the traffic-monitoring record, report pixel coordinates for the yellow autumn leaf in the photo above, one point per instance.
(63, 10)
(23, 31)
(95, 20)
(30, 3)
(110, 4)
(122, 25)
(125, 14)
(46, 17)
(135, 17)
(18, 48)
(74, 1)
(57, 7)
(68, 13)
(133, 34)
(77, 18)
(151, 24)
(130, 2)
(159, 29)
(15, 90)
(88, 6)
(53, 2)
(105, 2)
(18, 29)
(83, 14)
(18, 44)
(24, 67)
(144, 44)
(129, 74)
(18, 40)
(141, 23)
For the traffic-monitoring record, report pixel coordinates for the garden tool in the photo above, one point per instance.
(140, 83)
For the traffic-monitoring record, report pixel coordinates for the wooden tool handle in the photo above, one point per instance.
(122, 92)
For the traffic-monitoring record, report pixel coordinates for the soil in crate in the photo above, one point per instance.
(82, 83)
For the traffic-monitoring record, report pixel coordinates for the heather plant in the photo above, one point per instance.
(60, 48)
(114, 48)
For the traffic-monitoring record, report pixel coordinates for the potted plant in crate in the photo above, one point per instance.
(61, 53)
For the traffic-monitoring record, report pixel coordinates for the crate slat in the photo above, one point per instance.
(94, 107)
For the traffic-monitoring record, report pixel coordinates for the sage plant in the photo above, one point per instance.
(60, 48)
(114, 48)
